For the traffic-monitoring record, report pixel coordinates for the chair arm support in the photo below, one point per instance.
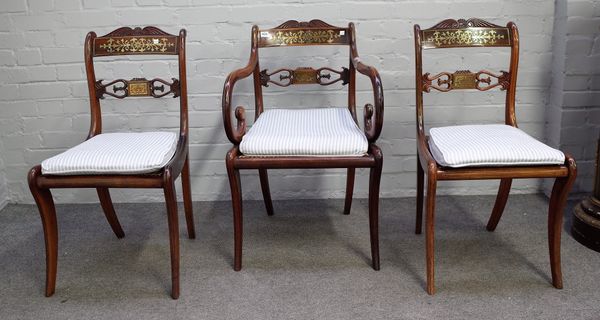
(234, 135)
(373, 116)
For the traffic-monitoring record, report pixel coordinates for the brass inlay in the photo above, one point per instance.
(304, 37)
(305, 76)
(139, 45)
(138, 88)
(464, 80)
(466, 37)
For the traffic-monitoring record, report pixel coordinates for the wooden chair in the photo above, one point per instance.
(486, 151)
(285, 131)
(122, 160)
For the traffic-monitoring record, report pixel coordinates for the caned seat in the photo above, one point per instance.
(115, 153)
(305, 132)
(489, 145)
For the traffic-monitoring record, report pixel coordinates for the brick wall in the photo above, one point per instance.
(3, 188)
(574, 108)
(43, 106)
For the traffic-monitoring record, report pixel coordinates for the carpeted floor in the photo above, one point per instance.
(307, 262)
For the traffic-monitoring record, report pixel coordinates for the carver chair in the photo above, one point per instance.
(476, 152)
(122, 160)
(304, 138)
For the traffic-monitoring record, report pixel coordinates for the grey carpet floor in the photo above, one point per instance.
(307, 262)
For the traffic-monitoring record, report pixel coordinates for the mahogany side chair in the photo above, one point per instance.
(125, 159)
(488, 151)
(304, 138)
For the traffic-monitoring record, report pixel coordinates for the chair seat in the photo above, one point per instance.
(305, 132)
(115, 153)
(489, 145)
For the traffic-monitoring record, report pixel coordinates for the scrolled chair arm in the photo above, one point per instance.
(235, 135)
(373, 113)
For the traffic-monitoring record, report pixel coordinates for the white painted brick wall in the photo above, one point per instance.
(574, 107)
(43, 106)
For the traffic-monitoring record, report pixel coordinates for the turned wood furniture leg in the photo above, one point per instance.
(501, 198)
(420, 190)
(45, 204)
(109, 211)
(266, 191)
(349, 190)
(429, 231)
(374, 182)
(558, 199)
(187, 199)
(171, 202)
(236, 200)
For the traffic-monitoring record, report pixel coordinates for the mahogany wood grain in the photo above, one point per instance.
(116, 43)
(439, 37)
(294, 33)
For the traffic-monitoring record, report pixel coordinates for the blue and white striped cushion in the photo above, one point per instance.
(115, 153)
(489, 145)
(305, 132)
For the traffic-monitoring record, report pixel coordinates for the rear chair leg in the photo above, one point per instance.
(349, 190)
(501, 199)
(109, 211)
(187, 199)
(45, 204)
(264, 185)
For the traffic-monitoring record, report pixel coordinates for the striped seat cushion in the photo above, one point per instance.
(305, 132)
(115, 153)
(489, 145)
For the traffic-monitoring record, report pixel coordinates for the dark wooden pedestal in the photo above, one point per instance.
(586, 215)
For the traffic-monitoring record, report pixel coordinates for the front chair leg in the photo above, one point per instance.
(501, 198)
(374, 182)
(558, 199)
(264, 185)
(109, 211)
(429, 230)
(349, 190)
(236, 200)
(45, 204)
(187, 198)
(171, 203)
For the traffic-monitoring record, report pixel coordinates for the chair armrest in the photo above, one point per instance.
(373, 116)
(235, 135)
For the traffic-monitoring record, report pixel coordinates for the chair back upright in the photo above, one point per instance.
(137, 41)
(471, 33)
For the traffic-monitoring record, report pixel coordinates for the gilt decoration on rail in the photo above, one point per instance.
(304, 75)
(138, 87)
(464, 79)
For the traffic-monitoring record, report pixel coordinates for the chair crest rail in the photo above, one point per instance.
(465, 33)
(295, 33)
(138, 41)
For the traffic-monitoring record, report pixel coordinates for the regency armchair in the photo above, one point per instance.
(122, 160)
(304, 138)
(488, 151)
